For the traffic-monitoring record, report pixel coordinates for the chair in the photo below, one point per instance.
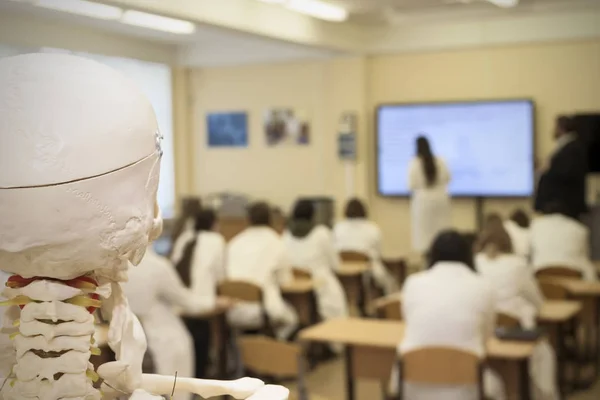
(273, 361)
(441, 366)
(301, 274)
(354, 256)
(390, 310)
(506, 321)
(553, 291)
(558, 272)
(247, 292)
(353, 282)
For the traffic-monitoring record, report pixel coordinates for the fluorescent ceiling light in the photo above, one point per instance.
(153, 21)
(273, 1)
(505, 3)
(318, 9)
(82, 7)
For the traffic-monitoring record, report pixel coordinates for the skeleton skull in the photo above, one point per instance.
(80, 160)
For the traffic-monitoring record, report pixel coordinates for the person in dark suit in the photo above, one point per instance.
(563, 177)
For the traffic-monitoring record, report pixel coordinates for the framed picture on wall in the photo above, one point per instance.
(227, 129)
(285, 126)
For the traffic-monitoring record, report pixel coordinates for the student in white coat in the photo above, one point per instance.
(201, 266)
(517, 227)
(428, 179)
(153, 291)
(357, 233)
(257, 255)
(517, 294)
(310, 247)
(449, 305)
(560, 240)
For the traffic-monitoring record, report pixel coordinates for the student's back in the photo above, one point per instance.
(558, 240)
(255, 255)
(515, 288)
(359, 235)
(520, 237)
(447, 305)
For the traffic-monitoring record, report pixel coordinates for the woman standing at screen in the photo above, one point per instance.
(428, 179)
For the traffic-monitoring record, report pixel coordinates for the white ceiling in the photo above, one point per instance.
(209, 46)
(398, 11)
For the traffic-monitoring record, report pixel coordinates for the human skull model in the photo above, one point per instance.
(80, 160)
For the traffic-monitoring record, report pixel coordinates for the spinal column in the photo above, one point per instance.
(53, 338)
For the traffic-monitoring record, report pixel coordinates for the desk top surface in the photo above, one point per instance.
(559, 311)
(388, 334)
(578, 287)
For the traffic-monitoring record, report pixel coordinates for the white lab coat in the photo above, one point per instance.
(430, 205)
(517, 294)
(520, 238)
(316, 254)
(557, 240)
(364, 236)
(257, 255)
(208, 262)
(153, 291)
(448, 305)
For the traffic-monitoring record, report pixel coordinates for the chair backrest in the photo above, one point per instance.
(353, 256)
(391, 310)
(441, 366)
(507, 321)
(558, 272)
(553, 291)
(301, 274)
(240, 290)
(265, 356)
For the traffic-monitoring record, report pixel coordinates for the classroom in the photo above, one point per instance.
(300, 199)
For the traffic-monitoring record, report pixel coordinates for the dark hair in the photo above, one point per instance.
(451, 246)
(495, 233)
(427, 160)
(492, 221)
(565, 123)
(205, 220)
(355, 209)
(521, 218)
(190, 207)
(259, 214)
(303, 210)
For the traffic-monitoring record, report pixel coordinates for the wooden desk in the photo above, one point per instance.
(558, 311)
(300, 294)
(220, 334)
(371, 347)
(350, 274)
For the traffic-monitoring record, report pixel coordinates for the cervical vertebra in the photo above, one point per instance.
(53, 339)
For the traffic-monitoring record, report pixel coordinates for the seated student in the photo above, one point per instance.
(517, 227)
(560, 240)
(311, 246)
(449, 305)
(257, 255)
(201, 265)
(357, 233)
(153, 290)
(517, 294)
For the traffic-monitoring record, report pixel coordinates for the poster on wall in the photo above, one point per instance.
(227, 129)
(284, 126)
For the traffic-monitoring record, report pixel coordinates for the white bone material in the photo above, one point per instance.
(80, 155)
(238, 389)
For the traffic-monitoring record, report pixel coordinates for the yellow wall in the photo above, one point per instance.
(560, 77)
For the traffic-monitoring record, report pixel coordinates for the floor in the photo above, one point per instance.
(326, 382)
